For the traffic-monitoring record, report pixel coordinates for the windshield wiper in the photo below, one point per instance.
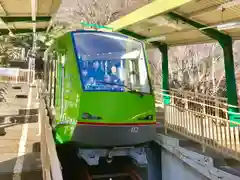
(130, 90)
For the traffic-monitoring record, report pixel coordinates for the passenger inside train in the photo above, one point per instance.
(95, 75)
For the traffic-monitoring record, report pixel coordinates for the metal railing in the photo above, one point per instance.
(16, 75)
(51, 168)
(202, 119)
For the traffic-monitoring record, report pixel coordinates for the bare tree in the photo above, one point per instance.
(196, 68)
(72, 12)
(11, 47)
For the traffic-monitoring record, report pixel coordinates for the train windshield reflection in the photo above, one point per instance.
(111, 58)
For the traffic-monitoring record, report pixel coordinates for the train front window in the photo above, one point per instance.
(111, 62)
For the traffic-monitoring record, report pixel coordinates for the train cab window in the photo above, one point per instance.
(111, 62)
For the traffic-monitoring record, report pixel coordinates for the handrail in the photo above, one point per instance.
(202, 104)
(156, 88)
(215, 99)
(18, 75)
(51, 168)
(210, 129)
(199, 94)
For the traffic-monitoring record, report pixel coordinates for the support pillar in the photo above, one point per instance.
(165, 73)
(226, 43)
(232, 98)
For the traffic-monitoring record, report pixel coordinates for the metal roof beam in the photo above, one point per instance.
(210, 32)
(12, 19)
(132, 34)
(140, 37)
(201, 11)
(19, 31)
(152, 9)
(5, 13)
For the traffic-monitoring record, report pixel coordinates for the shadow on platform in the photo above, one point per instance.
(31, 165)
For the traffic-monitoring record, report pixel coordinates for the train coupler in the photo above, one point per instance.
(92, 156)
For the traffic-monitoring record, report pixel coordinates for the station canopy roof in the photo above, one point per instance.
(159, 21)
(20, 16)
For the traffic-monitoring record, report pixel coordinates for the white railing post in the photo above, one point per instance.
(50, 163)
(199, 122)
(165, 118)
(29, 69)
(17, 74)
(202, 136)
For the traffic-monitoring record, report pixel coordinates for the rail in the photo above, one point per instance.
(202, 119)
(51, 168)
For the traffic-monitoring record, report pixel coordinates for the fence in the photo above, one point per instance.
(51, 168)
(16, 75)
(203, 119)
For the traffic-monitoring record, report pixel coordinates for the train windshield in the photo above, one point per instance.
(111, 62)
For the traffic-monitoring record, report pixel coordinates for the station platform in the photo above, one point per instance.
(19, 138)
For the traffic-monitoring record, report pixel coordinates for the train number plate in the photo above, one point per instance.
(134, 129)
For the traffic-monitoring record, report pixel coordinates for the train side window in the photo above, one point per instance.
(46, 70)
(48, 74)
(49, 87)
(53, 80)
(50, 83)
(63, 59)
(58, 81)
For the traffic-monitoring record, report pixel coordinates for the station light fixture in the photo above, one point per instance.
(230, 4)
(224, 26)
(158, 38)
(230, 25)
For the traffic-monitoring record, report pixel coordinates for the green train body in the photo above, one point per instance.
(100, 112)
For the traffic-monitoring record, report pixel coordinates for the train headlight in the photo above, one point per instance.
(148, 117)
(89, 116)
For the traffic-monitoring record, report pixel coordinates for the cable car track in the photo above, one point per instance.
(126, 173)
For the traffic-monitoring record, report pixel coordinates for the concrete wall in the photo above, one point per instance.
(181, 163)
(175, 169)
